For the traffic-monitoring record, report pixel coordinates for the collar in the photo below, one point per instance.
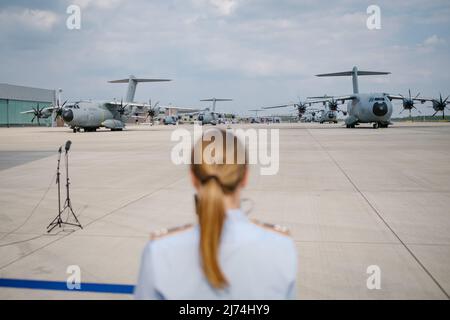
(236, 215)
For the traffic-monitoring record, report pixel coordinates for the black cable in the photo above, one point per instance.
(32, 238)
(20, 241)
(32, 211)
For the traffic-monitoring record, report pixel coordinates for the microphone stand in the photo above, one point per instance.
(68, 204)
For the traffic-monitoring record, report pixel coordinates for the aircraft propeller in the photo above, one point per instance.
(152, 110)
(59, 109)
(408, 102)
(37, 113)
(440, 105)
(301, 108)
(122, 108)
(333, 105)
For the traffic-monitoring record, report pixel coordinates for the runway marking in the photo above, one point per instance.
(62, 286)
(379, 216)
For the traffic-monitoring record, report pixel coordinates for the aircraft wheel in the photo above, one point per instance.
(74, 130)
(376, 125)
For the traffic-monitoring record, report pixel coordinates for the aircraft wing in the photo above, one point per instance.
(142, 106)
(51, 108)
(399, 97)
(132, 104)
(183, 110)
(329, 98)
(280, 106)
(27, 112)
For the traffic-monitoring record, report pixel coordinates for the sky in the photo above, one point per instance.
(257, 52)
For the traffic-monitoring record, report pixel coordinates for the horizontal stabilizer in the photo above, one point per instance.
(354, 74)
(214, 99)
(138, 80)
(132, 83)
(350, 73)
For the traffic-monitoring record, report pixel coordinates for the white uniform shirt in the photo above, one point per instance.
(257, 262)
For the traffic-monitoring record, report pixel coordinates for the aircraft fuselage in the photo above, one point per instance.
(91, 115)
(369, 108)
(207, 117)
(328, 116)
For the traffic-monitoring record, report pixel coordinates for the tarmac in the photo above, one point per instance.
(352, 198)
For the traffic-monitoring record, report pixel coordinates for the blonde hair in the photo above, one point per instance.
(217, 178)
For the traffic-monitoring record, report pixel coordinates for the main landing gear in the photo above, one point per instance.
(78, 129)
(377, 125)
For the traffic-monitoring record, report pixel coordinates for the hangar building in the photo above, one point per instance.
(15, 99)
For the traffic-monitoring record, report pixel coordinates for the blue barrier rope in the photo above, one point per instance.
(62, 286)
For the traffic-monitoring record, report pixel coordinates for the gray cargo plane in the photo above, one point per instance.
(91, 115)
(373, 108)
(331, 110)
(209, 116)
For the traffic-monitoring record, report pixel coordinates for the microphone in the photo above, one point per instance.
(68, 143)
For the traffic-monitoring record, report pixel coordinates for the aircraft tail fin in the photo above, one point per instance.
(214, 100)
(132, 84)
(354, 74)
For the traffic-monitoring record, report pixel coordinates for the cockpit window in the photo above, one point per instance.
(376, 99)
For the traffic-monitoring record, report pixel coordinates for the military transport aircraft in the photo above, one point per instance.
(91, 115)
(330, 111)
(373, 108)
(207, 115)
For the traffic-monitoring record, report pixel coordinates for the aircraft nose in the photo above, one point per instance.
(380, 109)
(67, 115)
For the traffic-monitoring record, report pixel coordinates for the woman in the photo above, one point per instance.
(225, 256)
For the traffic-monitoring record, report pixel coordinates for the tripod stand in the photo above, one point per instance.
(58, 221)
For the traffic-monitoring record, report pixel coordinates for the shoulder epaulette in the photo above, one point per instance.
(168, 231)
(273, 227)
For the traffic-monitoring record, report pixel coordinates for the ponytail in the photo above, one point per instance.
(211, 216)
(216, 180)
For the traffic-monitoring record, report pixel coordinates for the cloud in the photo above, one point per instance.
(432, 41)
(101, 4)
(259, 52)
(220, 7)
(31, 18)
